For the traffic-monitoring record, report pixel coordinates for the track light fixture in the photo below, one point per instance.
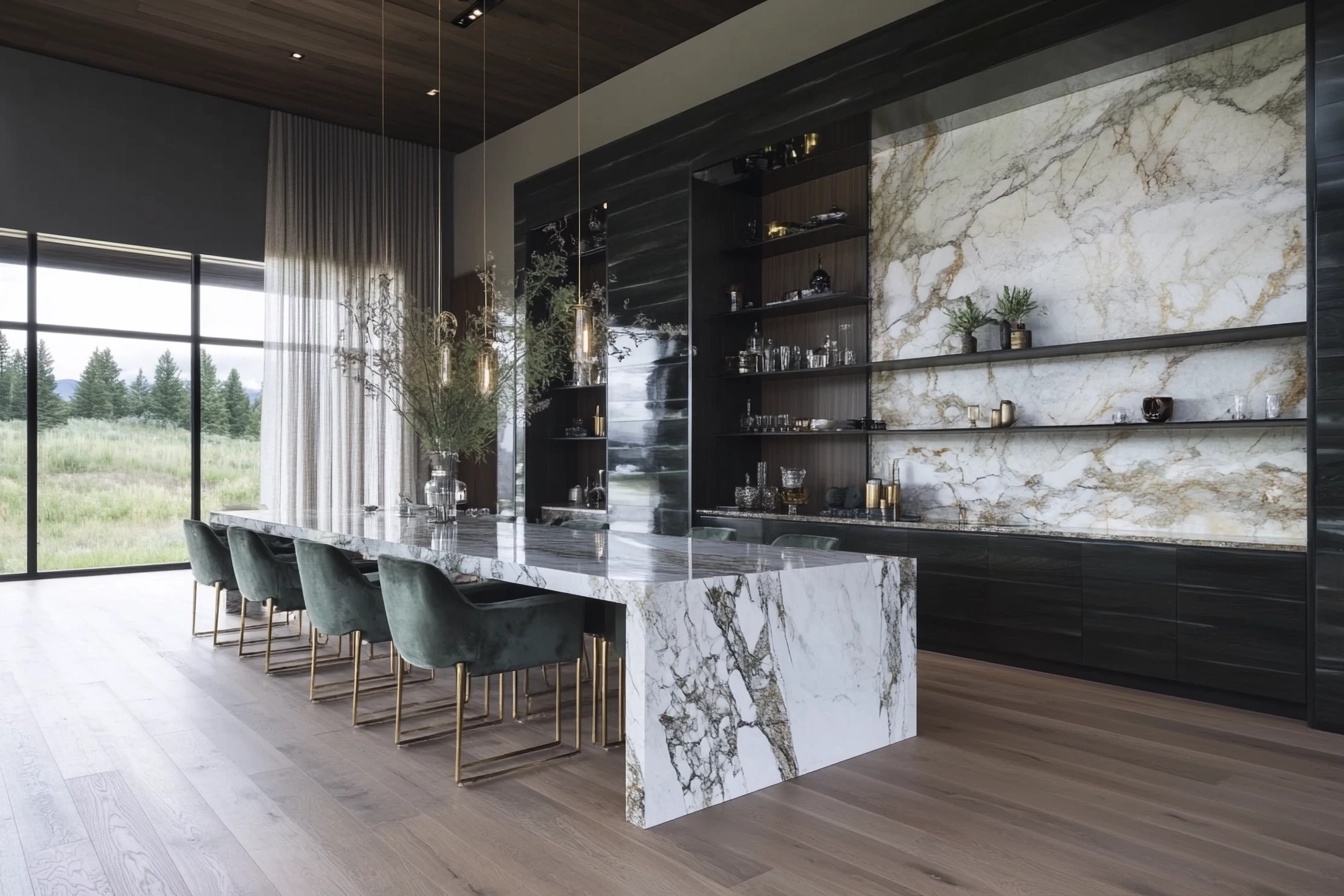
(475, 9)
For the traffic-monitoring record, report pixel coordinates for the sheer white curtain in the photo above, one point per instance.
(342, 207)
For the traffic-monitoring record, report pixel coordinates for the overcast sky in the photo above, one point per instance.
(79, 298)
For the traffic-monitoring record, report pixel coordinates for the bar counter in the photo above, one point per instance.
(746, 664)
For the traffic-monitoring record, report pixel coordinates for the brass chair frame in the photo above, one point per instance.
(269, 650)
(214, 631)
(600, 692)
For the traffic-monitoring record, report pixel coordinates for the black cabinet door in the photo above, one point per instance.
(1243, 643)
(1129, 609)
(1242, 622)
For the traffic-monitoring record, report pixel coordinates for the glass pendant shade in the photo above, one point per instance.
(486, 372)
(583, 332)
(445, 331)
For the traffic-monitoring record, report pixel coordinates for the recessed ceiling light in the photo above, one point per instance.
(433, 91)
(474, 11)
(295, 55)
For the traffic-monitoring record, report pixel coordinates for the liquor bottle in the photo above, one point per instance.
(821, 281)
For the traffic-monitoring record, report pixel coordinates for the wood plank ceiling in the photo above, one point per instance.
(521, 59)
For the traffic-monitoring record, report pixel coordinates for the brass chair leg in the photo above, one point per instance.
(356, 639)
(459, 766)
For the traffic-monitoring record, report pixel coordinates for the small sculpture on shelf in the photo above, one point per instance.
(1012, 308)
(964, 319)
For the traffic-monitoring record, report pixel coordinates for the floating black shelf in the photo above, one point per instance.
(1277, 423)
(802, 373)
(578, 438)
(794, 435)
(568, 388)
(802, 306)
(806, 239)
(1227, 336)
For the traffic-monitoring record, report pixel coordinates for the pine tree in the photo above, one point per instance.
(254, 420)
(100, 393)
(237, 406)
(18, 387)
(137, 396)
(214, 413)
(51, 408)
(6, 376)
(169, 401)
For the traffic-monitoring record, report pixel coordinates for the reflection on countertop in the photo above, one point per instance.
(1257, 542)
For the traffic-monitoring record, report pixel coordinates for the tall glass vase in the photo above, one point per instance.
(444, 491)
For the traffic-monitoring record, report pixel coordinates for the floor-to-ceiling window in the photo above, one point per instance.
(132, 377)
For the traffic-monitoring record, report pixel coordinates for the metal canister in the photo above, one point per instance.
(872, 494)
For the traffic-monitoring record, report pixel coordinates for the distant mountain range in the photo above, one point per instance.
(66, 389)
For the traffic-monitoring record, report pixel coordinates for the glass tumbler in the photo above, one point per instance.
(1241, 407)
(1273, 406)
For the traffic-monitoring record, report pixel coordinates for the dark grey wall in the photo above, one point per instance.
(91, 154)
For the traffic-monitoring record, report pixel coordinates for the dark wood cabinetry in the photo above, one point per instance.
(1220, 620)
(1241, 623)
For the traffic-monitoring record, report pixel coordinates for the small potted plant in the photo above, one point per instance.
(1012, 308)
(964, 319)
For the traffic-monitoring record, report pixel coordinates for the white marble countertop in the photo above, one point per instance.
(1255, 542)
(525, 552)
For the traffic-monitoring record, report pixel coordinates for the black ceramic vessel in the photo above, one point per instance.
(1158, 408)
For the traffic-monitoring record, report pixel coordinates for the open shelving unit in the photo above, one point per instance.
(724, 201)
(556, 461)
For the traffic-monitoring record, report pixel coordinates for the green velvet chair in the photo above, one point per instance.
(435, 627)
(585, 525)
(712, 533)
(270, 579)
(815, 542)
(212, 566)
(342, 600)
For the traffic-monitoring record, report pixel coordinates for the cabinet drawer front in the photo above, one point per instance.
(1242, 643)
(949, 552)
(1146, 600)
(1136, 645)
(1130, 562)
(1261, 573)
(1034, 560)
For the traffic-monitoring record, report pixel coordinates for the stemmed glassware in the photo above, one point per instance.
(973, 414)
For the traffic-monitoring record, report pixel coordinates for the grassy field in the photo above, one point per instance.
(115, 493)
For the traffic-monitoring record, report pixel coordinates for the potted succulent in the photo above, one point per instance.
(1012, 308)
(964, 319)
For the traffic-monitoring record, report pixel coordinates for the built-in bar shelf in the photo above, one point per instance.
(1228, 336)
(801, 306)
(802, 373)
(1277, 423)
(824, 235)
(568, 388)
(578, 438)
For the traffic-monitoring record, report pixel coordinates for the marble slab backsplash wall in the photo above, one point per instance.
(1164, 202)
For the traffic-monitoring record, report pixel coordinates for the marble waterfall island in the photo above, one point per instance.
(746, 665)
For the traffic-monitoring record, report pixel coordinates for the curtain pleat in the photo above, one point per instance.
(342, 207)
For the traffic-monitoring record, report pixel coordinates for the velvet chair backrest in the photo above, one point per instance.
(712, 533)
(435, 627)
(340, 599)
(815, 542)
(261, 574)
(209, 556)
(585, 525)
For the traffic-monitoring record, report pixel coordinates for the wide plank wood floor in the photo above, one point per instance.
(137, 760)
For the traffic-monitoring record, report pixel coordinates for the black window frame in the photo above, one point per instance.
(32, 331)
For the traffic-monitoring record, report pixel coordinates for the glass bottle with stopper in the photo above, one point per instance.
(821, 281)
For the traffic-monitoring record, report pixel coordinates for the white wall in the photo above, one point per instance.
(746, 48)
